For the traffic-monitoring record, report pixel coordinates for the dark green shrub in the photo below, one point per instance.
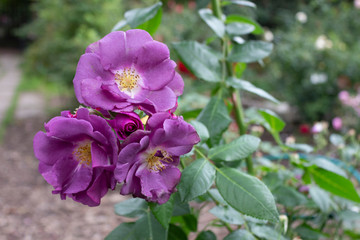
(61, 31)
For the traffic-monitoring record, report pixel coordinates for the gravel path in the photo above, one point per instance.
(9, 78)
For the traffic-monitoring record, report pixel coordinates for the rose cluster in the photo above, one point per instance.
(127, 133)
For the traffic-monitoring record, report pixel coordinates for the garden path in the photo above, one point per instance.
(9, 78)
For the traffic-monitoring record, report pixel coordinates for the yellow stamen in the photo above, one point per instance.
(127, 79)
(82, 153)
(155, 160)
(144, 119)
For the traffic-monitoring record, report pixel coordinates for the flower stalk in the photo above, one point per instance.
(235, 95)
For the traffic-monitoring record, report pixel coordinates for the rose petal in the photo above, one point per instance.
(158, 76)
(135, 39)
(177, 84)
(157, 98)
(151, 54)
(112, 50)
(89, 67)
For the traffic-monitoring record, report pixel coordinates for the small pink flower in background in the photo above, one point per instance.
(357, 3)
(344, 96)
(304, 188)
(351, 101)
(337, 123)
(317, 128)
(192, 5)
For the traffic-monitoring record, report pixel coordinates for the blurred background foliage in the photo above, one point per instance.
(315, 54)
(60, 31)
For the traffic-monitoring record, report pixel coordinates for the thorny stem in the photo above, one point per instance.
(235, 95)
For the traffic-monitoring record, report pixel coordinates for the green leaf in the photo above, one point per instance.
(138, 16)
(301, 147)
(133, 207)
(236, 29)
(206, 235)
(265, 232)
(238, 149)
(247, 194)
(163, 212)
(250, 51)
(214, 193)
(329, 166)
(180, 208)
(176, 233)
(239, 69)
(190, 222)
(241, 19)
(123, 231)
(349, 215)
(227, 214)
(213, 22)
(288, 196)
(145, 228)
(309, 233)
(274, 121)
(199, 59)
(238, 40)
(249, 87)
(148, 227)
(239, 2)
(337, 140)
(216, 118)
(153, 24)
(240, 234)
(196, 179)
(335, 184)
(119, 25)
(201, 130)
(322, 199)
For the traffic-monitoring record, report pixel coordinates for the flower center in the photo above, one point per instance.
(155, 161)
(82, 153)
(127, 79)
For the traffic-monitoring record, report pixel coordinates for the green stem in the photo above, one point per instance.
(227, 71)
(216, 8)
(239, 112)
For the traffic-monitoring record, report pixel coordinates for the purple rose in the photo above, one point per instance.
(127, 70)
(77, 156)
(148, 160)
(125, 124)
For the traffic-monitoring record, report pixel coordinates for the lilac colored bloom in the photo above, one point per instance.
(126, 123)
(77, 156)
(148, 160)
(337, 123)
(127, 70)
(344, 96)
(304, 188)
